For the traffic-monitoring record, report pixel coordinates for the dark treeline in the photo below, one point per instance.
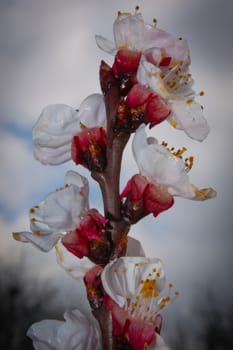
(209, 325)
(24, 300)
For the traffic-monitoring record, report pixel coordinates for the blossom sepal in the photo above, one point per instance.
(90, 238)
(155, 108)
(89, 148)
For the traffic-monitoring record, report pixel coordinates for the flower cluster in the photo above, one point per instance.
(148, 82)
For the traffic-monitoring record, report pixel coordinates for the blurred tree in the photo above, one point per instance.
(208, 325)
(24, 300)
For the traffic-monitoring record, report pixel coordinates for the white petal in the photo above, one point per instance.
(121, 278)
(189, 117)
(76, 332)
(148, 74)
(92, 111)
(157, 163)
(43, 242)
(75, 267)
(74, 178)
(105, 44)
(44, 334)
(159, 344)
(129, 31)
(170, 45)
(54, 130)
(63, 209)
(51, 155)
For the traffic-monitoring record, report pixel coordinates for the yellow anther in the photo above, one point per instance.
(32, 211)
(158, 274)
(137, 8)
(69, 270)
(180, 152)
(173, 122)
(202, 93)
(148, 289)
(204, 193)
(175, 63)
(115, 269)
(124, 270)
(189, 101)
(16, 236)
(59, 253)
(133, 305)
(189, 162)
(170, 285)
(37, 233)
(33, 220)
(177, 293)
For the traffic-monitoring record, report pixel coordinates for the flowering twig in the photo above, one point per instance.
(149, 82)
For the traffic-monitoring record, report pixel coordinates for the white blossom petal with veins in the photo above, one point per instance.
(75, 333)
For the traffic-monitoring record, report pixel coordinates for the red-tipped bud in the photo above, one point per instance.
(143, 197)
(142, 99)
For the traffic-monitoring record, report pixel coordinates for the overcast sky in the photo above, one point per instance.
(48, 55)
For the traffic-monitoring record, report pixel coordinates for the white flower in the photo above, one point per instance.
(75, 333)
(135, 285)
(131, 32)
(53, 132)
(125, 280)
(174, 83)
(59, 213)
(158, 163)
